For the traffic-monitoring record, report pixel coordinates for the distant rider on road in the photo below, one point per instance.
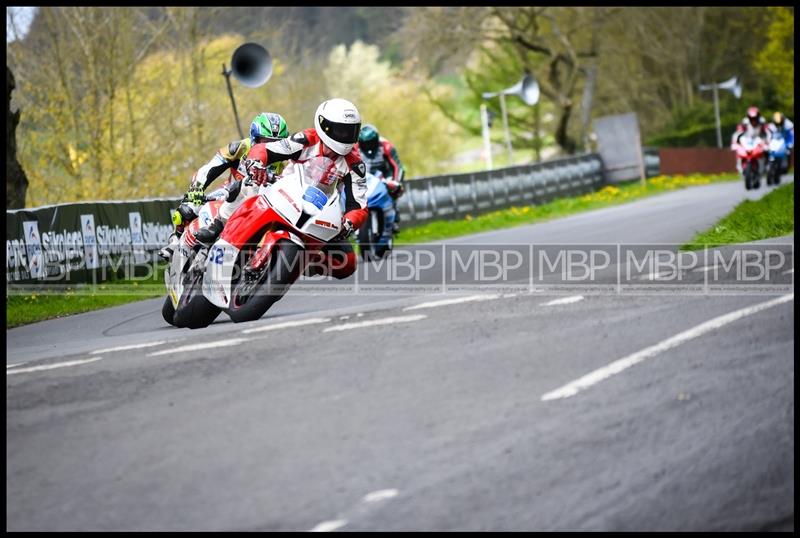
(266, 127)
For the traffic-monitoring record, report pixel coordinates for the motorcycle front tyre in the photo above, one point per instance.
(272, 284)
(194, 310)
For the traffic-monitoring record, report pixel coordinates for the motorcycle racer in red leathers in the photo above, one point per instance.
(337, 123)
(381, 158)
(753, 125)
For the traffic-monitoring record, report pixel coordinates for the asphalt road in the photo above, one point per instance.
(446, 417)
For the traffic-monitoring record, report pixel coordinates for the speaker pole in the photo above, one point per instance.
(505, 127)
(227, 73)
(716, 116)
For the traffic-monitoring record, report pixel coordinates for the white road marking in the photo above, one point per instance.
(565, 300)
(654, 276)
(287, 324)
(457, 300)
(14, 365)
(790, 271)
(328, 526)
(506, 295)
(132, 346)
(380, 495)
(570, 389)
(704, 269)
(344, 317)
(52, 366)
(197, 347)
(371, 323)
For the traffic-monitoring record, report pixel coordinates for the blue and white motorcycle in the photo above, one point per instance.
(778, 158)
(376, 235)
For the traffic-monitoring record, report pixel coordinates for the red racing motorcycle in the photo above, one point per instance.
(261, 251)
(751, 150)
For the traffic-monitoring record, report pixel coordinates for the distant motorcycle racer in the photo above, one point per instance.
(753, 125)
(265, 127)
(381, 158)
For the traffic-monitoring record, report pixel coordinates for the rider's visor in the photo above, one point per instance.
(368, 146)
(345, 133)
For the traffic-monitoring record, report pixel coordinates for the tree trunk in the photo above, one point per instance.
(16, 180)
(562, 138)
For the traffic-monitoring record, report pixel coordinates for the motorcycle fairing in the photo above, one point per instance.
(220, 264)
(182, 253)
(286, 197)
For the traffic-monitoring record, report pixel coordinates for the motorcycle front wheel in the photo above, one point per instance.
(168, 311)
(255, 292)
(194, 310)
(370, 234)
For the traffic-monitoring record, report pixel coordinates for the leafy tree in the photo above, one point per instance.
(776, 60)
(654, 59)
(390, 99)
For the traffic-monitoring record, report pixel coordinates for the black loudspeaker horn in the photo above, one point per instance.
(251, 64)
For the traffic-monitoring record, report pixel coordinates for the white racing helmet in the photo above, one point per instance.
(338, 123)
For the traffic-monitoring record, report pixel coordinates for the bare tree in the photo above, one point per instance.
(558, 45)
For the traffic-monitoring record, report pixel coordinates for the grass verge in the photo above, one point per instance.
(516, 216)
(39, 303)
(770, 216)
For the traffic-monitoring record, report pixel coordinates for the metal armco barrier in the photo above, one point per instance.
(457, 195)
(77, 242)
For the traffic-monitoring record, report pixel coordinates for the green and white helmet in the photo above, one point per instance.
(267, 127)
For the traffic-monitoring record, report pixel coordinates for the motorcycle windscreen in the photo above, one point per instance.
(323, 174)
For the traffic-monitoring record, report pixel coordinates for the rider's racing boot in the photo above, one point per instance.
(166, 252)
(207, 235)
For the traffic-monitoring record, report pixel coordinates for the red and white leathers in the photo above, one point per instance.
(745, 128)
(300, 147)
(306, 144)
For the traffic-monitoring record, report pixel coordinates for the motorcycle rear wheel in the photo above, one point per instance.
(253, 295)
